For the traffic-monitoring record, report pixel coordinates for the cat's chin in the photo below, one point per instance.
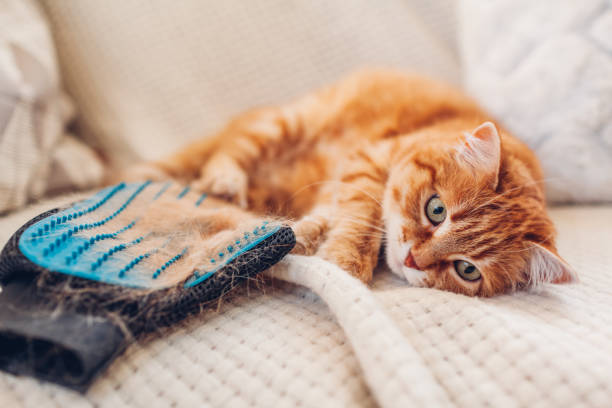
(396, 252)
(414, 276)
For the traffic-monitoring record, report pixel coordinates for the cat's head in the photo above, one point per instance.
(464, 215)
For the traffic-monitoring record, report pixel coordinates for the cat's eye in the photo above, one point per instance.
(435, 210)
(467, 271)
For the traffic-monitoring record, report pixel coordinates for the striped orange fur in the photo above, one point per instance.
(355, 164)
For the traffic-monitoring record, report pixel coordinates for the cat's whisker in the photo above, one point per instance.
(365, 235)
(362, 222)
(328, 182)
(302, 189)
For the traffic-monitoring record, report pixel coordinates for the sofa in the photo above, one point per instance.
(135, 79)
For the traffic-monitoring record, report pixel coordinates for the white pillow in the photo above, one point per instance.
(150, 75)
(36, 157)
(544, 69)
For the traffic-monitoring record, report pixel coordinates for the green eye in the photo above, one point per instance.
(435, 210)
(467, 271)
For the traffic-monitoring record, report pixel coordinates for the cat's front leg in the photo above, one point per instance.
(255, 136)
(223, 177)
(354, 243)
(356, 228)
(182, 166)
(310, 231)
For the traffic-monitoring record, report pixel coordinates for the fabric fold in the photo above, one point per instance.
(394, 371)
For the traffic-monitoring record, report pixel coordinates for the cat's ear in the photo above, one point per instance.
(545, 266)
(481, 151)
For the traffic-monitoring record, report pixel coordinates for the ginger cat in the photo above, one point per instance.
(381, 157)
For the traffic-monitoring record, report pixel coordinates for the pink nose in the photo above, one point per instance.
(410, 262)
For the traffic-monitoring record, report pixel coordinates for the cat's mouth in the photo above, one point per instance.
(414, 277)
(412, 272)
(410, 262)
(405, 266)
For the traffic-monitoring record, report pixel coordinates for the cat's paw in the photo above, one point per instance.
(349, 258)
(139, 172)
(309, 233)
(223, 178)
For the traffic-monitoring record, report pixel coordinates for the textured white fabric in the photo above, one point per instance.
(544, 68)
(149, 75)
(393, 345)
(393, 369)
(33, 113)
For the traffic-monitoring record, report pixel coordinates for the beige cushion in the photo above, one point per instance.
(150, 75)
(544, 68)
(36, 154)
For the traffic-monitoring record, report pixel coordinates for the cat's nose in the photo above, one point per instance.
(410, 262)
